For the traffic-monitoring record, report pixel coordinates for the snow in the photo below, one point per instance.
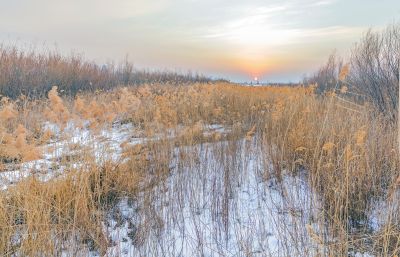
(73, 143)
(216, 205)
(216, 201)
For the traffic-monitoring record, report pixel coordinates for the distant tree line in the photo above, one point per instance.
(373, 69)
(33, 74)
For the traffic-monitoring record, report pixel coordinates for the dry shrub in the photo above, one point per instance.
(33, 72)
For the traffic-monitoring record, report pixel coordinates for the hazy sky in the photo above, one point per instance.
(236, 39)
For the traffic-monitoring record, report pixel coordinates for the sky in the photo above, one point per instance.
(274, 40)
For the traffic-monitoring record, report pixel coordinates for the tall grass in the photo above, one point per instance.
(347, 151)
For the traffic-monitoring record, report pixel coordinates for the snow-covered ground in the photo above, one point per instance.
(69, 147)
(218, 199)
(73, 144)
(216, 203)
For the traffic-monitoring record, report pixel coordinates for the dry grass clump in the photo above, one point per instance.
(42, 218)
(16, 144)
(57, 113)
(348, 151)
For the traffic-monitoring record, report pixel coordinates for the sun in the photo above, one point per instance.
(255, 78)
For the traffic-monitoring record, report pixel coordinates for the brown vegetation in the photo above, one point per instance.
(34, 72)
(347, 150)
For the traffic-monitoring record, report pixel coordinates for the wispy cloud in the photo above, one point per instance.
(322, 2)
(268, 26)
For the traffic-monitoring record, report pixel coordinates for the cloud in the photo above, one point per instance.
(323, 2)
(208, 34)
(48, 13)
(266, 27)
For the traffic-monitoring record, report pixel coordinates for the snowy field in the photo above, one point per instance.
(219, 199)
(217, 204)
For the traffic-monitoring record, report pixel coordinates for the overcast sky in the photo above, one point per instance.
(236, 39)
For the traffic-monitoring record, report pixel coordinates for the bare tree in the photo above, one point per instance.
(327, 76)
(374, 68)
